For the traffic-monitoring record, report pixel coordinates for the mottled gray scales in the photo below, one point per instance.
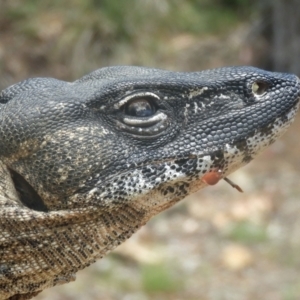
(83, 165)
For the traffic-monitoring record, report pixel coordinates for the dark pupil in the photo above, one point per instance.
(140, 108)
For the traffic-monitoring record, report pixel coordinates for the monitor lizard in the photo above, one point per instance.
(84, 164)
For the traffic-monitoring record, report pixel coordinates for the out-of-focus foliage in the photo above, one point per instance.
(126, 19)
(82, 34)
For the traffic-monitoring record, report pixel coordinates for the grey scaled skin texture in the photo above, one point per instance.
(83, 165)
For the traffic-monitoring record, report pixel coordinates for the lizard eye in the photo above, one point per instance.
(141, 107)
(142, 114)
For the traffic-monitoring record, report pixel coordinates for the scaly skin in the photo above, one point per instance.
(83, 165)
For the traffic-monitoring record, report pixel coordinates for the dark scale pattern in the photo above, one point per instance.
(83, 165)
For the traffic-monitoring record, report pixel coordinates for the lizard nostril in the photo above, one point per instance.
(259, 87)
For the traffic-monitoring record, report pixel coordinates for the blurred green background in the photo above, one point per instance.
(218, 244)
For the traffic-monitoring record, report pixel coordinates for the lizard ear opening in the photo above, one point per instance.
(28, 196)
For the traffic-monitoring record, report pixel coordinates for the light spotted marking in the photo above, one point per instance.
(94, 130)
(222, 96)
(60, 105)
(196, 108)
(263, 97)
(63, 178)
(204, 163)
(260, 140)
(207, 158)
(197, 92)
(138, 184)
(230, 149)
(25, 149)
(186, 109)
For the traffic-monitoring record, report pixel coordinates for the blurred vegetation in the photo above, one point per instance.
(248, 232)
(126, 20)
(158, 278)
(81, 35)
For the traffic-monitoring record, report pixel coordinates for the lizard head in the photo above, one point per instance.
(103, 154)
(126, 134)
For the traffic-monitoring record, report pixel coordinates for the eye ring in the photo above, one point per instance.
(139, 95)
